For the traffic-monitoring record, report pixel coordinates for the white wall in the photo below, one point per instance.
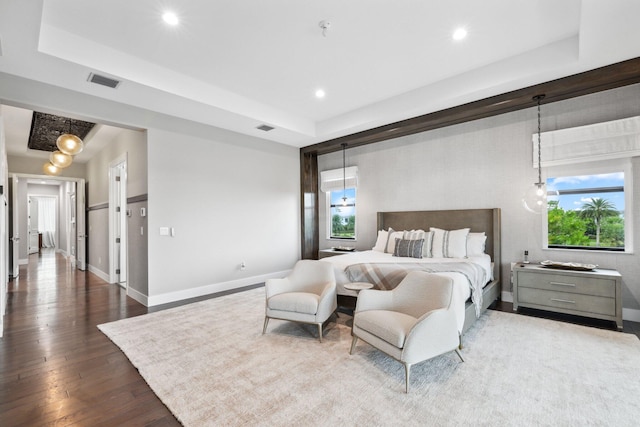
(484, 164)
(229, 199)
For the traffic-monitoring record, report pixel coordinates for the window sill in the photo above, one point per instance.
(588, 251)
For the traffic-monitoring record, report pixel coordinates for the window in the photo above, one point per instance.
(342, 214)
(589, 212)
(340, 186)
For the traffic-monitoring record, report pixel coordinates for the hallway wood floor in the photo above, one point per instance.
(56, 367)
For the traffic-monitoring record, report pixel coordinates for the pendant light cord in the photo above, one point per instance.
(539, 98)
(344, 173)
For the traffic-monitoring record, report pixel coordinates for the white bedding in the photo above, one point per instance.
(462, 290)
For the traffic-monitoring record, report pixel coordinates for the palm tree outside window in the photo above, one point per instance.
(589, 212)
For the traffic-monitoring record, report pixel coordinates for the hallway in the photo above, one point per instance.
(56, 367)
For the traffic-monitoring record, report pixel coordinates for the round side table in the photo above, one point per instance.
(357, 286)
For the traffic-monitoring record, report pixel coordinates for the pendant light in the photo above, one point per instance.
(69, 143)
(50, 169)
(60, 159)
(344, 176)
(535, 199)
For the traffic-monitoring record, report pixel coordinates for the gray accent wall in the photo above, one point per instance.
(137, 263)
(486, 163)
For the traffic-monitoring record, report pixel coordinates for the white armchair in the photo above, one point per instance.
(411, 323)
(307, 295)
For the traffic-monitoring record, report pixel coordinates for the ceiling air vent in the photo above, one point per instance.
(265, 128)
(104, 81)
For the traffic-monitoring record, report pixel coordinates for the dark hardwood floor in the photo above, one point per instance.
(57, 368)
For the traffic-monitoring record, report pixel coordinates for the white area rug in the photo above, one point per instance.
(210, 365)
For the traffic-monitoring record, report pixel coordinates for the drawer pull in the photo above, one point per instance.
(562, 300)
(563, 284)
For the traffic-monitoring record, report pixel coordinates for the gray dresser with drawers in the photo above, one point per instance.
(596, 293)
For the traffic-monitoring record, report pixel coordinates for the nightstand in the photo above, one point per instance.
(595, 293)
(324, 253)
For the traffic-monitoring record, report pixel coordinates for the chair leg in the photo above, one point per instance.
(320, 331)
(459, 355)
(354, 340)
(266, 322)
(407, 370)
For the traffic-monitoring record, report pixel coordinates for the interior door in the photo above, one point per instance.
(14, 229)
(118, 221)
(80, 222)
(32, 225)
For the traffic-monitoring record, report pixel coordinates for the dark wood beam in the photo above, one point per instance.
(610, 77)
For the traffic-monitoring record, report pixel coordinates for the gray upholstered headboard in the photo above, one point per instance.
(487, 220)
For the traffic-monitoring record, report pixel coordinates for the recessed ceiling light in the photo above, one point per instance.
(170, 18)
(459, 34)
(320, 93)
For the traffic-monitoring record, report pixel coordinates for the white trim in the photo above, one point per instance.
(213, 288)
(631, 314)
(101, 274)
(138, 296)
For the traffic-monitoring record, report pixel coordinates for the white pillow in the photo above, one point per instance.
(449, 244)
(391, 242)
(476, 244)
(421, 234)
(381, 242)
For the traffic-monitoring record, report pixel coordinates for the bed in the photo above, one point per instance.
(476, 277)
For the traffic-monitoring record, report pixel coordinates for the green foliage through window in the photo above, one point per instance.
(342, 211)
(588, 213)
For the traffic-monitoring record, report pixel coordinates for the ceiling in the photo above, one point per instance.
(239, 65)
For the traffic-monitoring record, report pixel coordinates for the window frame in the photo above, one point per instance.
(592, 168)
(329, 217)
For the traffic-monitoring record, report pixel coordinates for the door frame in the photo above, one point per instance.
(118, 198)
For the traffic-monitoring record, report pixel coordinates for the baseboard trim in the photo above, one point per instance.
(631, 314)
(212, 289)
(138, 296)
(101, 274)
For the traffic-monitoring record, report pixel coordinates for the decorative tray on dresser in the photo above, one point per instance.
(570, 288)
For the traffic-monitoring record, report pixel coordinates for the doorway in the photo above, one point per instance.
(27, 219)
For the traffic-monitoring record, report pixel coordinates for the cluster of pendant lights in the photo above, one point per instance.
(68, 146)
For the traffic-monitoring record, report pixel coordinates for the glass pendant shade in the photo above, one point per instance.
(69, 144)
(537, 197)
(50, 169)
(60, 159)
